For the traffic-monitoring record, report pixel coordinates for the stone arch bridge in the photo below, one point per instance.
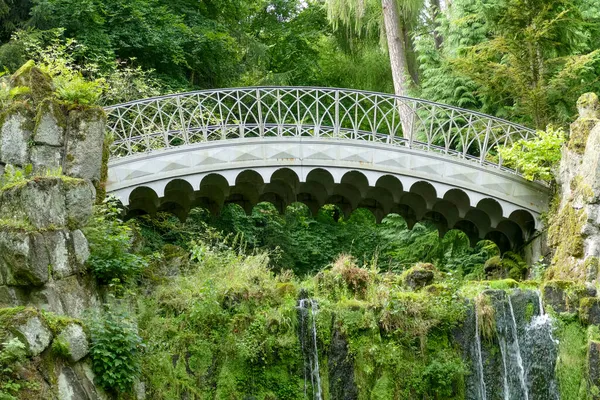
(323, 146)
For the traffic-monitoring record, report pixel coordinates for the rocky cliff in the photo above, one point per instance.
(50, 160)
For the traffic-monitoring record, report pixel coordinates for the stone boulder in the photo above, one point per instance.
(76, 382)
(51, 125)
(23, 259)
(589, 310)
(563, 296)
(75, 340)
(16, 129)
(85, 141)
(38, 83)
(34, 333)
(49, 203)
(45, 158)
(419, 276)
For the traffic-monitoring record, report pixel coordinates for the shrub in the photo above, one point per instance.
(12, 356)
(72, 87)
(115, 350)
(110, 244)
(535, 158)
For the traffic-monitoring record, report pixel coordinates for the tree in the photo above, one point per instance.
(526, 60)
(396, 17)
(13, 15)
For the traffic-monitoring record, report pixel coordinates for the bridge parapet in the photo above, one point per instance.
(166, 122)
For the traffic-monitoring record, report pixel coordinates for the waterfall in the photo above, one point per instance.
(308, 342)
(481, 386)
(541, 355)
(519, 364)
(517, 350)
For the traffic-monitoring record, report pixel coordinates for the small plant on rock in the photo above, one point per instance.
(12, 355)
(110, 244)
(115, 349)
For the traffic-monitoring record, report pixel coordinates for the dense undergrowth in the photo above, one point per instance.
(305, 244)
(197, 311)
(225, 326)
(218, 309)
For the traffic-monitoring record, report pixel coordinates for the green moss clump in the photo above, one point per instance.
(592, 268)
(587, 307)
(57, 323)
(580, 131)
(564, 234)
(31, 76)
(571, 364)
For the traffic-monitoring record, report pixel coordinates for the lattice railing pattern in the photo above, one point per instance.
(183, 119)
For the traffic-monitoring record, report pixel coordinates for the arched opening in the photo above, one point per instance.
(469, 229)
(357, 180)
(426, 191)
(492, 208)
(525, 220)
(500, 239)
(448, 210)
(143, 200)
(392, 185)
(438, 220)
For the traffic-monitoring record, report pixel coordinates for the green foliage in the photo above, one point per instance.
(115, 349)
(570, 367)
(536, 158)
(227, 327)
(73, 88)
(529, 60)
(110, 245)
(305, 244)
(12, 356)
(14, 176)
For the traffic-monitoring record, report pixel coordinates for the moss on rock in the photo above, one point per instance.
(564, 234)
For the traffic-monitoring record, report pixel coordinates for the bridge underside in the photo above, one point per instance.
(453, 194)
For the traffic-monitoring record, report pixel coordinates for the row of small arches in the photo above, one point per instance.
(420, 202)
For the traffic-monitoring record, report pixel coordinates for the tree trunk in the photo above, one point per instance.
(411, 55)
(435, 13)
(397, 53)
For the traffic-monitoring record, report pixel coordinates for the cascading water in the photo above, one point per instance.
(519, 363)
(541, 352)
(481, 383)
(308, 342)
(516, 351)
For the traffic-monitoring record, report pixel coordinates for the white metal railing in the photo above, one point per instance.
(164, 122)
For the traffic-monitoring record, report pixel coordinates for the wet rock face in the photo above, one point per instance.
(516, 358)
(341, 369)
(594, 367)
